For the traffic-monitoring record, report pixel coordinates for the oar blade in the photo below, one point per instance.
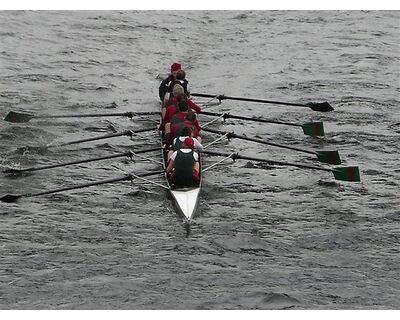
(313, 129)
(331, 156)
(13, 116)
(11, 171)
(347, 174)
(320, 106)
(10, 198)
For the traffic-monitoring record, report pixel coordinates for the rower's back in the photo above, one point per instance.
(186, 165)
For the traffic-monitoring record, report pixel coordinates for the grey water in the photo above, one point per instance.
(265, 237)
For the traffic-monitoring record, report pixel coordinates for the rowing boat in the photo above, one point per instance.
(186, 199)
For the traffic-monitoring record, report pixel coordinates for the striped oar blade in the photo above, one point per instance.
(346, 173)
(331, 157)
(314, 129)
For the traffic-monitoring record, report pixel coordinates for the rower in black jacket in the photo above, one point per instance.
(165, 83)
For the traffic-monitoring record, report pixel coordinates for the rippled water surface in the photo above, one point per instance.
(265, 237)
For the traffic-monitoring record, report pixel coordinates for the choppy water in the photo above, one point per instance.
(265, 238)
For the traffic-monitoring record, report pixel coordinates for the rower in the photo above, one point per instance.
(187, 132)
(170, 107)
(180, 78)
(183, 168)
(184, 118)
(164, 84)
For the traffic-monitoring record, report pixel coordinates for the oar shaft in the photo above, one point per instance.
(238, 156)
(282, 163)
(64, 164)
(228, 115)
(93, 115)
(124, 133)
(123, 178)
(82, 115)
(127, 177)
(223, 97)
(234, 135)
(73, 162)
(322, 107)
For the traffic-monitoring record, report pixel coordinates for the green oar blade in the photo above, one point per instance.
(331, 157)
(346, 173)
(320, 106)
(13, 116)
(314, 129)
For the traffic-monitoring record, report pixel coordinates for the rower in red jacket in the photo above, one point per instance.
(180, 121)
(171, 109)
(164, 84)
(183, 168)
(178, 94)
(187, 132)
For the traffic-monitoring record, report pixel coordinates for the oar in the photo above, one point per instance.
(14, 197)
(124, 133)
(316, 106)
(315, 128)
(326, 156)
(14, 116)
(129, 154)
(340, 173)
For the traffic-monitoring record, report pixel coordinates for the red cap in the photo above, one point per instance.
(175, 67)
(189, 142)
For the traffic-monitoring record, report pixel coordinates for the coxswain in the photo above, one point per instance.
(183, 168)
(171, 77)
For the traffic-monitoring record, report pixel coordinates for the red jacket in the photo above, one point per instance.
(172, 109)
(186, 123)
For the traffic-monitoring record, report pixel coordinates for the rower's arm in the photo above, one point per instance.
(198, 145)
(170, 166)
(163, 88)
(170, 136)
(193, 106)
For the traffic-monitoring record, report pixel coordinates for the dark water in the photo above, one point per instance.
(265, 238)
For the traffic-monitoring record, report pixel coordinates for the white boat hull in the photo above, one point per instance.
(187, 201)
